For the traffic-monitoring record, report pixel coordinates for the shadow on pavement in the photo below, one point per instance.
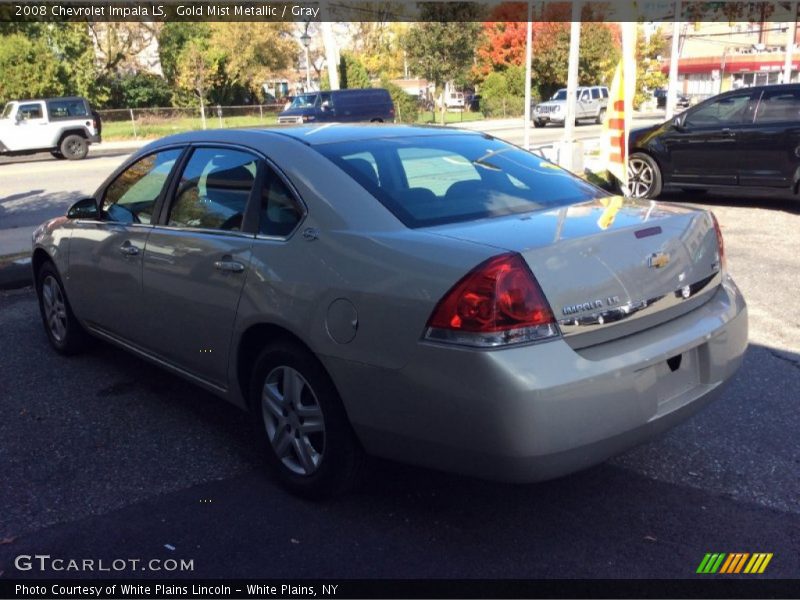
(108, 456)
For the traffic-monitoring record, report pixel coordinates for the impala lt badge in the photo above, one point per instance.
(657, 260)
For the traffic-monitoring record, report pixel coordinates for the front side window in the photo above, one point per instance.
(131, 197)
(7, 111)
(779, 106)
(30, 111)
(213, 190)
(731, 110)
(452, 178)
(595, 94)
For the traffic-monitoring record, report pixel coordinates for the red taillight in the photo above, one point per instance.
(720, 243)
(497, 303)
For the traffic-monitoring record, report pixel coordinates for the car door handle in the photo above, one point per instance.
(229, 266)
(128, 250)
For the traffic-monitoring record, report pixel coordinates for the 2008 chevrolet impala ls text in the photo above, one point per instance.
(429, 295)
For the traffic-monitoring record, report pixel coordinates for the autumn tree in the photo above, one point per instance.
(441, 49)
(599, 55)
(649, 75)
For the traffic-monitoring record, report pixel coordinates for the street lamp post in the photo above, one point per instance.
(305, 39)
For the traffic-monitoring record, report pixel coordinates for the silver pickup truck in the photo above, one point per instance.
(591, 103)
(63, 126)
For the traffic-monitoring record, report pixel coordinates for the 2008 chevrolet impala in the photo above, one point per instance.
(433, 296)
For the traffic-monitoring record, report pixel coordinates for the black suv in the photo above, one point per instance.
(747, 138)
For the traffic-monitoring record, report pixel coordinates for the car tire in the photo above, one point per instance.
(74, 147)
(537, 123)
(56, 154)
(644, 176)
(600, 116)
(63, 329)
(308, 437)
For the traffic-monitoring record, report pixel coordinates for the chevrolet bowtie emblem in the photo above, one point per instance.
(658, 260)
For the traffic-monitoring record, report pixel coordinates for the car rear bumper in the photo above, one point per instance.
(540, 411)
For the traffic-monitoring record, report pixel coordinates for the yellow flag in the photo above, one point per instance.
(614, 128)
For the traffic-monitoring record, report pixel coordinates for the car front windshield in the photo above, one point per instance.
(430, 180)
(7, 111)
(560, 95)
(304, 101)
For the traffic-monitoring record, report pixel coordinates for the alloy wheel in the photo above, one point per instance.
(641, 177)
(293, 419)
(55, 309)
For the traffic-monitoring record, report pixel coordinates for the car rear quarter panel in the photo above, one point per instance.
(360, 252)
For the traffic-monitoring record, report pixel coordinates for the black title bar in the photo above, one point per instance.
(370, 10)
(705, 587)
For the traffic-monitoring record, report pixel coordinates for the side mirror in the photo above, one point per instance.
(18, 116)
(85, 208)
(677, 123)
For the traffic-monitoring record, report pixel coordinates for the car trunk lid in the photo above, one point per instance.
(609, 267)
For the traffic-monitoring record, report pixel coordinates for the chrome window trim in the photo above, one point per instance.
(225, 232)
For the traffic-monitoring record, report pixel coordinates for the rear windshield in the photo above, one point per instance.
(429, 180)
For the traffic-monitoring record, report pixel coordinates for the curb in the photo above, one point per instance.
(16, 274)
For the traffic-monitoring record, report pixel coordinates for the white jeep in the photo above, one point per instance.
(63, 126)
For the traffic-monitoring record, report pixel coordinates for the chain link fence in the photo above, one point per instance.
(142, 123)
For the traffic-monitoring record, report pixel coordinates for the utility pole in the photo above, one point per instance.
(567, 142)
(528, 52)
(787, 65)
(672, 86)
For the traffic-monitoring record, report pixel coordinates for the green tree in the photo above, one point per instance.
(352, 74)
(442, 48)
(138, 90)
(199, 70)
(406, 106)
(29, 68)
(172, 39)
(648, 68)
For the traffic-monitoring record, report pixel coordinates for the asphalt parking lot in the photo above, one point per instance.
(106, 456)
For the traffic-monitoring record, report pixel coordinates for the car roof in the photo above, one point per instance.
(81, 98)
(317, 135)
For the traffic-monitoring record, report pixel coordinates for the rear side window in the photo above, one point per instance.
(595, 94)
(604, 92)
(131, 197)
(779, 106)
(213, 190)
(64, 109)
(280, 214)
(452, 178)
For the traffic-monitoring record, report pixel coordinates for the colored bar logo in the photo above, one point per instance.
(734, 563)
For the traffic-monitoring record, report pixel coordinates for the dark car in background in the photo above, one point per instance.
(747, 138)
(373, 105)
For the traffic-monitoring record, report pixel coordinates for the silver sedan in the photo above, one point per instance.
(428, 295)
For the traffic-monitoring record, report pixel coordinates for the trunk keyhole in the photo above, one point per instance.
(674, 363)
